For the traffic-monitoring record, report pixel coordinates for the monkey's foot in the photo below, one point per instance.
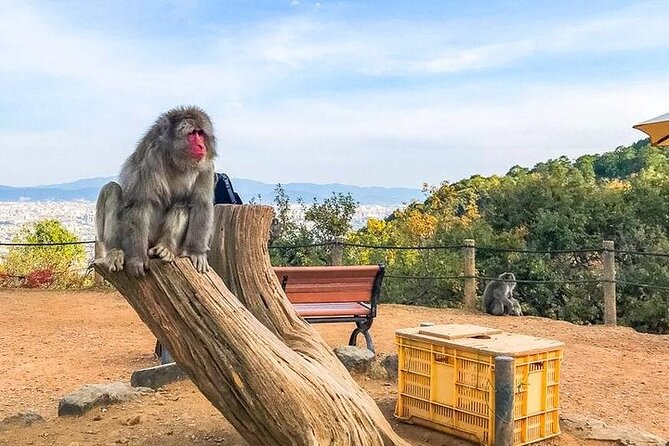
(199, 262)
(162, 252)
(137, 266)
(114, 260)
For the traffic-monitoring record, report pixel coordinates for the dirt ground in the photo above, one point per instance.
(52, 343)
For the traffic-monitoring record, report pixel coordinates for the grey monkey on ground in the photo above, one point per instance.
(163, 205)
(498, 296)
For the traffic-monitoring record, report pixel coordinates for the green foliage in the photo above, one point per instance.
(332, 218)
(323, 223)
(557, 205)
(45, 266)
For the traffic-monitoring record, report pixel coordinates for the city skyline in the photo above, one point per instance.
(362, 93)
(78, 216)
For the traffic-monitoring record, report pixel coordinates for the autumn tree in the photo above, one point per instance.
(46, 266)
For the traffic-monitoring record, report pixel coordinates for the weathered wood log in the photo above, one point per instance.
(272, 394)
(239, 254)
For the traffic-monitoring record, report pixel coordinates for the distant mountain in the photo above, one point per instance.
(87, 183)
(88, 189)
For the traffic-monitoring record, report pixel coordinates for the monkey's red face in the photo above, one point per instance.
(197, 144)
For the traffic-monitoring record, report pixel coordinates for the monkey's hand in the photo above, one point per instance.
(161, 251)
(199, 261)
(137, 266)
(114, 260)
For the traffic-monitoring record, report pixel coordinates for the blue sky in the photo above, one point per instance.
(383, 93)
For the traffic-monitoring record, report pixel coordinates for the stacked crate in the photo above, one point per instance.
(447, 381)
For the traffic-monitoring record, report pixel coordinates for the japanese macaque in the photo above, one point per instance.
(498, 296)
(163, 205)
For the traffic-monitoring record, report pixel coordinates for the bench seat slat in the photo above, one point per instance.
(329, 287)
(332, 309)
(329, 281)
(335, 297)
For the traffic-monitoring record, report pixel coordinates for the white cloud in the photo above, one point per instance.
(249, 80)
(410, 138)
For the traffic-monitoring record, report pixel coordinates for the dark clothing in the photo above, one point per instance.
(224, 192)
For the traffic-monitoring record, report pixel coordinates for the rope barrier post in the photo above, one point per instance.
(469, 251)
(337, 251)
(97, 278)
(609, 282)
(504, 400)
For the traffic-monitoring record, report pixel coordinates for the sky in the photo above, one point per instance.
(385, 93)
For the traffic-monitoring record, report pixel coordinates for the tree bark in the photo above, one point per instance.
(273, 393)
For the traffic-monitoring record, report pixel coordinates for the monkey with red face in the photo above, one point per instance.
(163, 205)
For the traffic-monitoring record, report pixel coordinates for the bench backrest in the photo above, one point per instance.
(319, 284)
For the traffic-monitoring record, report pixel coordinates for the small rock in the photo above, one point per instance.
(156, 377)
(594, 429)
(132, 421)
(91, 395)
(391, 364)
(377, 371)
(355, 358)
(21, 419)
(122, 440)
(97, 418)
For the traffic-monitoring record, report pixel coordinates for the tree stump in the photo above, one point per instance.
(266, 370)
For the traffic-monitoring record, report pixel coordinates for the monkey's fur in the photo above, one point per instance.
(498, 296)
(164, 204)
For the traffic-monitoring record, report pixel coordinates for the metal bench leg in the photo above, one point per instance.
(362, 327)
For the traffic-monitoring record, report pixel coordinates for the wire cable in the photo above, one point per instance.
(85, 242)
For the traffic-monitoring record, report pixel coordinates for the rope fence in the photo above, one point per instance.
(85, 242)
(469, 276)
(489, 279)
(607, 279)
(458, 247)
(398, 247)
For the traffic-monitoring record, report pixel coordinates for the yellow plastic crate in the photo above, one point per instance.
(447, 381)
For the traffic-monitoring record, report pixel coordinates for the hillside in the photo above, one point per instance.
(560, 210)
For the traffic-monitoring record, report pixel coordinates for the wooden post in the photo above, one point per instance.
(337, 251)
(609, 282)
(266, 370)
(504, 400)
(469, 252)
(98, 280)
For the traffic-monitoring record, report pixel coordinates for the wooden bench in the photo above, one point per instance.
(327, 294)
